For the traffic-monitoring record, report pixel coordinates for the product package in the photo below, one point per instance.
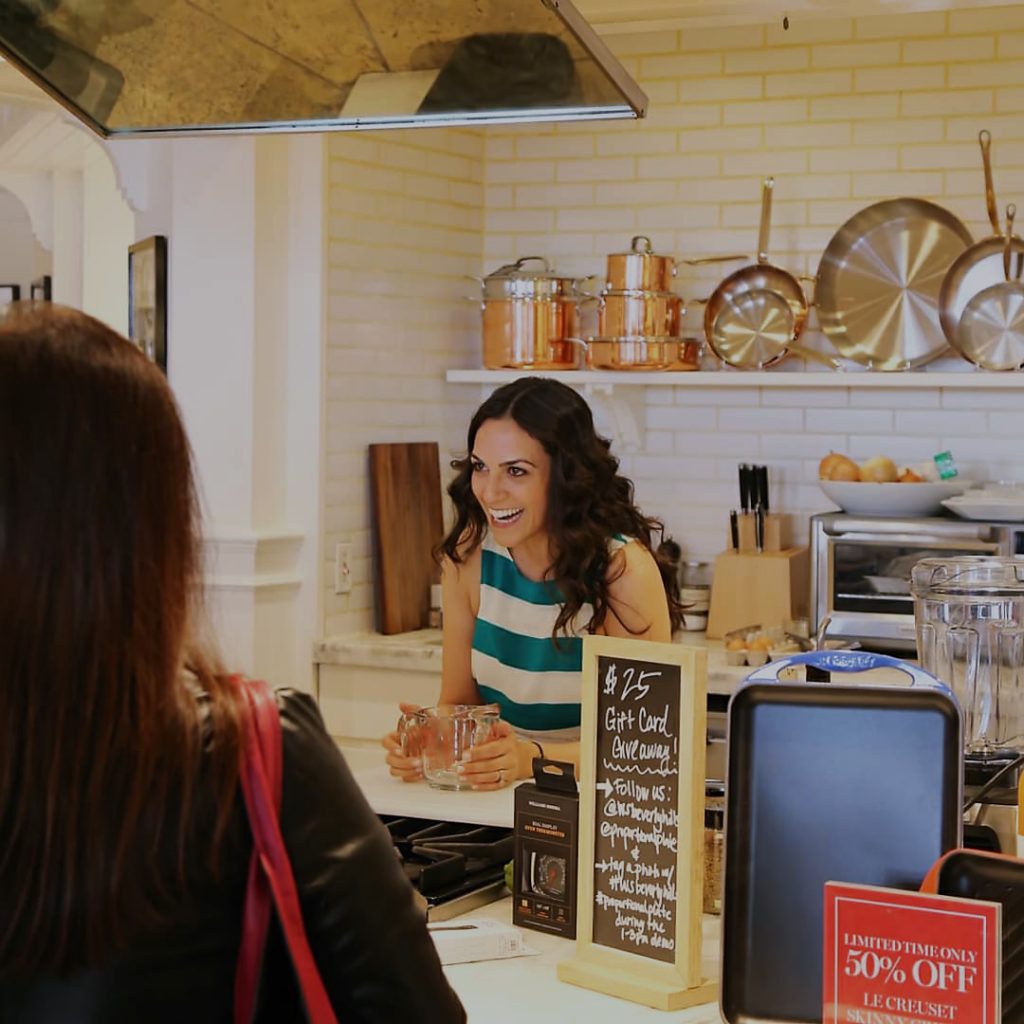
(546, 821)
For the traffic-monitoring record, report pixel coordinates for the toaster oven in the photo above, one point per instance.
(860, 570)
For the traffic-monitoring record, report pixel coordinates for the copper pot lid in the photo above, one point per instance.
(517, 280)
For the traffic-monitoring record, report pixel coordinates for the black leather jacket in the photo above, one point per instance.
(369, 939)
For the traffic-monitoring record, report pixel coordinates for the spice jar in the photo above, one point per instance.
(714, 846)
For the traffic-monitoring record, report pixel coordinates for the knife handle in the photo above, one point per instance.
(734, 530)
(762, 486)
(759, 527)
(746, 488)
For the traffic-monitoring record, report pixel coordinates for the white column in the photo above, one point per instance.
(108, 228)
(244, 343)
(67, 238)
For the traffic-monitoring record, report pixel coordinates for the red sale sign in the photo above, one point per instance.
(895, 957)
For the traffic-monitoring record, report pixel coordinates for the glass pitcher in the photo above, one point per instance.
(441, 737)
(969, 617)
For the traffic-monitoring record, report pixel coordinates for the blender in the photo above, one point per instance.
(969, 619)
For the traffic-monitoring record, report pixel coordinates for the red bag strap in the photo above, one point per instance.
(270, 877)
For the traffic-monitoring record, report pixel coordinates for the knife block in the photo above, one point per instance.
(758, 588)
(776, 532)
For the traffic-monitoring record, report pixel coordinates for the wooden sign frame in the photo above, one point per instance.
(642, 979)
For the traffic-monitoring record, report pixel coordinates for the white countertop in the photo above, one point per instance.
(388, 795)
(527, 988)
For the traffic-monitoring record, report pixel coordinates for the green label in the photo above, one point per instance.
(946, 465)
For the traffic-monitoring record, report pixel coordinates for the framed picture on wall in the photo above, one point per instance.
(9, 293)
(40, 290)
(147, 297)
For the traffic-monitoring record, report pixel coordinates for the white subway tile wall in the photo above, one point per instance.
(843, 112)
(405, 229)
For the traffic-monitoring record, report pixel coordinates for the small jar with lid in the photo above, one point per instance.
(695, 594)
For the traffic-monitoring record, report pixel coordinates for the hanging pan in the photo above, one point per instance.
(991, 331)
(725, 315)
(755, 329)
(980, 265)
(878, 283)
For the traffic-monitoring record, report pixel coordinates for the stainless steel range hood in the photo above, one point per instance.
(155, 67)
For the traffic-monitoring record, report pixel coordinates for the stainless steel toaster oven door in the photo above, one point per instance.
(863, 571)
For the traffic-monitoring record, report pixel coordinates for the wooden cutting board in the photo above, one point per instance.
(405, 485)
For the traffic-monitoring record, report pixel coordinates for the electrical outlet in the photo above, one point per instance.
(343, 567)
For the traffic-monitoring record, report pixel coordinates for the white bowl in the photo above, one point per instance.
(870, 499)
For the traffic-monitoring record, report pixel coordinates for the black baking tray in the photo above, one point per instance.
(826, 782)
(999, 879)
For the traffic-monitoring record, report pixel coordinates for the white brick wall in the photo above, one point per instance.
(406, 225)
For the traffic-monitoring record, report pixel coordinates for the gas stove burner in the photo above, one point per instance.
(455, 867)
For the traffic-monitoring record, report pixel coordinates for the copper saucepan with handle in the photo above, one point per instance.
(991, 331)
(980, 265)
(641, 269)
(760, 277)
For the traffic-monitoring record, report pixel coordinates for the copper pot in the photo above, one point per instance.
(632, 353)
(530, 313)
(640, 269)
(530, 334)
(688, 355)
(638, 314)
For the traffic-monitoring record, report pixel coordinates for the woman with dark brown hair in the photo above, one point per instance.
(547, 545)
(124, 844)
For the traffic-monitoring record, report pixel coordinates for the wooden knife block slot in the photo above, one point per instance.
(758, 588)
(776, 532)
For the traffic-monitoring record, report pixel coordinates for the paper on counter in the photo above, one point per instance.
(464, 942)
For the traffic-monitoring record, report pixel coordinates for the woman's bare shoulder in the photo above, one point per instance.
(468, 559)
(636, 593)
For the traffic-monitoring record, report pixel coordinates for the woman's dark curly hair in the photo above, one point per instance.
(589, 502)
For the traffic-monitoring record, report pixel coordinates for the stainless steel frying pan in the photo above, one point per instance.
(879, 280)
(760, 276)
(755, 329)
(980, 265)
(991, 331)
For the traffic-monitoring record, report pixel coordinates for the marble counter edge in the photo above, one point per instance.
(420, 651)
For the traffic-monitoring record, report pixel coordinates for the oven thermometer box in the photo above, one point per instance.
(546, 838)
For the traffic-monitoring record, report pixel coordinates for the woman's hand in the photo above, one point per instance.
(406, 767)
(495, 763)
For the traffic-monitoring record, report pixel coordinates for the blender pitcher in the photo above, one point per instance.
(969, 617)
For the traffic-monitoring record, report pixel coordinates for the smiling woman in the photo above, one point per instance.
(547, 546)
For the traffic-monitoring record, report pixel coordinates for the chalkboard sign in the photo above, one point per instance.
(636, 821)
(642, 749)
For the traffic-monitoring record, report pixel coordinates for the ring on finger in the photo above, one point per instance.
(501, 776)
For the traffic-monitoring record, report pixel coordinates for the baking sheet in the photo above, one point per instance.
(825, 783)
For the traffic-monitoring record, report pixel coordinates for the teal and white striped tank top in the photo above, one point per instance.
(516, 666)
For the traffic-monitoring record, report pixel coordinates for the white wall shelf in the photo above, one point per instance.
(860, 379)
